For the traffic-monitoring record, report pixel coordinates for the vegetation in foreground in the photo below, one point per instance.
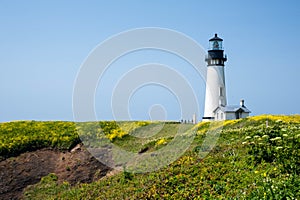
(22, 136)
(255, 158)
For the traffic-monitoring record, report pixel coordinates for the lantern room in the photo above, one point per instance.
(215, 43)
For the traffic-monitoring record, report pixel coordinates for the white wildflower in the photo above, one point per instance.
(275, 139)
(248, 137)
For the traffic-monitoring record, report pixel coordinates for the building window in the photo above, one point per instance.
(221, 115)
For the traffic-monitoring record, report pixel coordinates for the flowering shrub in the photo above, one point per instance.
(20, 136)
(274, 118)
(278, 145)
(254, 158)
(114, 130)
(161, 141)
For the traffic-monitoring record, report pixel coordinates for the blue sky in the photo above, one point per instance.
(44, 43)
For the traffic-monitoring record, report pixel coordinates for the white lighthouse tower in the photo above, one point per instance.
(215, 81)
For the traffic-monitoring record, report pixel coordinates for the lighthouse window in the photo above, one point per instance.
(221, 92)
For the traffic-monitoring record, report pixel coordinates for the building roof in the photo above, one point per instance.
(232, 108)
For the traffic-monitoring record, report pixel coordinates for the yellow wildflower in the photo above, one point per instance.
(265, 174)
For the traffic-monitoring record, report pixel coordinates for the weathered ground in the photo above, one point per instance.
(75, 166)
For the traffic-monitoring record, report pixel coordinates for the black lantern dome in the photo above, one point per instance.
(216, 53)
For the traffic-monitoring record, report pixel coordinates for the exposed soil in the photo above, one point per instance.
(76, 166)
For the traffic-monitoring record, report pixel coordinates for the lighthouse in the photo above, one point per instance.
(216, 107)
(215, 81)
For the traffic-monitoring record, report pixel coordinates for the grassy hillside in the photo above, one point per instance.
(21, 136)
(255, 158)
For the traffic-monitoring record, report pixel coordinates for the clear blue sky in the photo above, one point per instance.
(43, 44)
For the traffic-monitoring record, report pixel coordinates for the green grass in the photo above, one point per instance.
(250, 161)
(148, 136)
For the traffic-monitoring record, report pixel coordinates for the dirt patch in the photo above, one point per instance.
(76, 166)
